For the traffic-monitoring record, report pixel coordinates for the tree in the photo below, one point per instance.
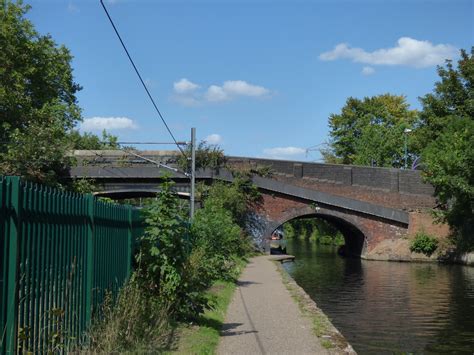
(207, 156)
(89, 141)
(447, 131)
(38, 106)
(370, 131)
(452, 98)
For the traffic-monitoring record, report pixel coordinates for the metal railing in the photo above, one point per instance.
(61, 252)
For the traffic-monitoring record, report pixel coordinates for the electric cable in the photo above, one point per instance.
(141, 80)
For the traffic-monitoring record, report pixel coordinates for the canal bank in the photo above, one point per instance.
(399, 250)
(265, 317)
(388, 307)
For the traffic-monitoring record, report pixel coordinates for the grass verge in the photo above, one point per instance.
(329, 337)
(202, 335)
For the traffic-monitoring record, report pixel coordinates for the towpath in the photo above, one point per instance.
(263, 318)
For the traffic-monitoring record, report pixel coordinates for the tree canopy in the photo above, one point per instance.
(38, 104)
(447, 131)
(370, 131)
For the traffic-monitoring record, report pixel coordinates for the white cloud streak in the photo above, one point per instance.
(109, 123)
(187, 93)
(213, 138)
(283, 152)
(408, 52)
(184, 86)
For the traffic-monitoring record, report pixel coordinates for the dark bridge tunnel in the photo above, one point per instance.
(354, 238)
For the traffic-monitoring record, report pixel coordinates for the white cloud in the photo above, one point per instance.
(283, 152)
(215, 94)
(213, 138)
(109, 123)
(240, 87)
(184, 86)
(232, 89)
(408, 52)
(187, 93)
(368, 70)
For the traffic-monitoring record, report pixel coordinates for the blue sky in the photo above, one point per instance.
(258, 77)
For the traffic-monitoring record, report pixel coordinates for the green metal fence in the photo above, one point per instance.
(60, 253)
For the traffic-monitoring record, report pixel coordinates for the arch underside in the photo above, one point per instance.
(354, 235)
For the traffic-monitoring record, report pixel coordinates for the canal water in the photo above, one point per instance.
(389, 307)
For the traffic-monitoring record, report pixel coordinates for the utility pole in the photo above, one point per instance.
(193, 173)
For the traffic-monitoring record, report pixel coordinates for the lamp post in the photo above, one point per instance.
(406, 131)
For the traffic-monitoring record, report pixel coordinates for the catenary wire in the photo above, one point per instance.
(140, 77)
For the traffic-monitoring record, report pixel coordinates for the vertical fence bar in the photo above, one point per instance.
(130, 242)
(13, 251)
(90, 258)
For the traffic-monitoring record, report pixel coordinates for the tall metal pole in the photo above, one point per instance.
(193, 172)
(405, 132)
(406, 150)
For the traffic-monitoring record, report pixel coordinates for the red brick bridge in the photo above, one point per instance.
(374, 208)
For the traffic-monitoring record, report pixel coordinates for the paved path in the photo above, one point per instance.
(263, 318)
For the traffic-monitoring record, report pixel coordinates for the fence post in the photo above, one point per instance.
(130, 242)
(14, 234)
(90, 258)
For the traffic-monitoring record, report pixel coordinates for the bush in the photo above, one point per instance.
(164, 250)
(423, 243)
(214, 232)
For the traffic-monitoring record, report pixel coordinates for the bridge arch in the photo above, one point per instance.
(355, 234)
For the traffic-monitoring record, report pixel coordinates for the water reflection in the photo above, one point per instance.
(387, 307)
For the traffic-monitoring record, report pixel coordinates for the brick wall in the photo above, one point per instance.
(401, 189)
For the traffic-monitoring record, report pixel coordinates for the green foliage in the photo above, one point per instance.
(177, 264)
(452, 98)
(219, 238)
(423, 243)
(37, 98)
(314, 229)
(163, 248)
(136, 321)
(236, 198)
(370, 131)
(448, 132)
(83, 186)
(93, 142)
(207, 156)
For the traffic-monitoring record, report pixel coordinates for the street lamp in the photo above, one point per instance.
(406, 131)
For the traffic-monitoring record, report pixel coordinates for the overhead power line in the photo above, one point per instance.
(140, 77)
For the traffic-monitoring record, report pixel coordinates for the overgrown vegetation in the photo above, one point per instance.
(176, 264)
(207, 156)
(313, 229)
(424, 243)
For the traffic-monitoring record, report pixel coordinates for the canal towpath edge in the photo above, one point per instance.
(267, 316)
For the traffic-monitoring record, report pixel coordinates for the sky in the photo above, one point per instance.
(258, 77)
